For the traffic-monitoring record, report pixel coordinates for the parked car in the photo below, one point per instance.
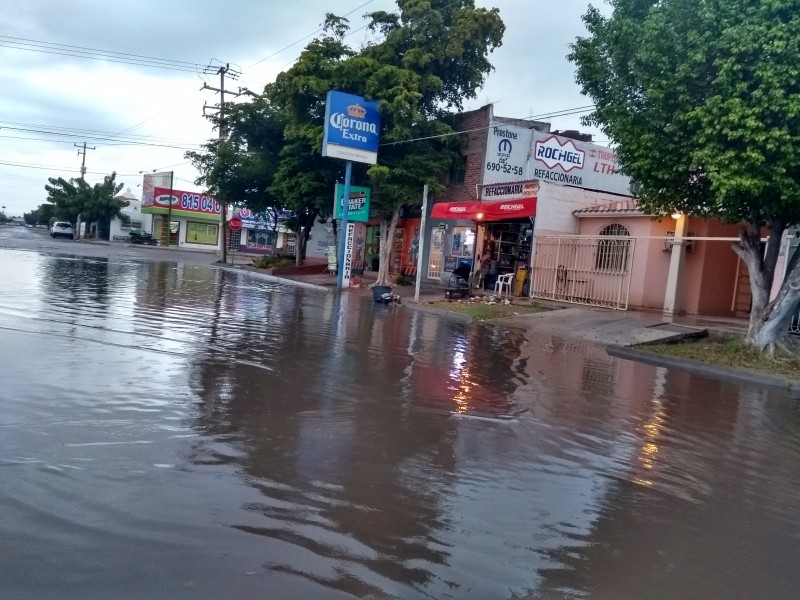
(62, 229)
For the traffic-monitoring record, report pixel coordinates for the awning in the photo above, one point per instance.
(485, 211)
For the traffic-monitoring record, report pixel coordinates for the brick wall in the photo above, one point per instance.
(474, 155)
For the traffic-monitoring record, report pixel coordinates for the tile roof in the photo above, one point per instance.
(626, 207)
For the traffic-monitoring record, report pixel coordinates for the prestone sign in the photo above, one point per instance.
(516, 154)
(352, 128)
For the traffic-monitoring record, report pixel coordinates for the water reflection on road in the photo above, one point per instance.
(175, 431)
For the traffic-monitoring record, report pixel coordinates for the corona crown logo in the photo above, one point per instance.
(354, 110)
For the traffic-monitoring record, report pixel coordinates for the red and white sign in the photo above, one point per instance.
(186, 201)
(235, 224)
(485, 211)
(516, 154)
(559, 152)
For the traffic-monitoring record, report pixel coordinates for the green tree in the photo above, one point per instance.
(75, 197)
(432, 56)
(30, 217)
(239, 168)
(702, 98)
(44, 213)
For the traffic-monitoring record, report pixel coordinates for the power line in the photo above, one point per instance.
(562, 113)
(118, 142)
(90, 132)
(30, 45)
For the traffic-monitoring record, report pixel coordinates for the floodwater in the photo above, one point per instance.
(174, 431)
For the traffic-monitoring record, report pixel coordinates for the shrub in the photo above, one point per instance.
(403, 280)
(270, 262)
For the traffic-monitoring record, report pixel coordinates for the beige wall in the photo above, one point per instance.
(555, 205)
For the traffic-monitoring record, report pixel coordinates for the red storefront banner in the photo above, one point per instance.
(186, 201)
(485, 211)
(455, 210)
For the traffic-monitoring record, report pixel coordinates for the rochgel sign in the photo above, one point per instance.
(553, 153)
(512, 206)
(458, 209)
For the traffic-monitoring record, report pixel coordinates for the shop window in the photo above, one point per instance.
(260, 238)
(201, 233)
(125, 222)
(612, 254)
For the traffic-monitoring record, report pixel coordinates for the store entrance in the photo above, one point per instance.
(506, 249)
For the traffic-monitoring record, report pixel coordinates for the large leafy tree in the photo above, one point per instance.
(75, 197)
(702, 98)
(431, 56)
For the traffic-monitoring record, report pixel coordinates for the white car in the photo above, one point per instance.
(62, 229)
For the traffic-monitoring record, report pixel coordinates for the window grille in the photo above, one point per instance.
(612, 254)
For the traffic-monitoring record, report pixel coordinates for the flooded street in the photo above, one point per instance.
(175, 431)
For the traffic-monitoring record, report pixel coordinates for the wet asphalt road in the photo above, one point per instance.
(170, 430)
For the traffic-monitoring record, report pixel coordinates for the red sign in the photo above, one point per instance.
(186, 201)
(485, 211)
(235, 224)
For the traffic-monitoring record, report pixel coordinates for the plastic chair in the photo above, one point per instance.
(332, 265)
(476, 281)
(503, 284)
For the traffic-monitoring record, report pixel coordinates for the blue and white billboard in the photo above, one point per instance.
(352, 128)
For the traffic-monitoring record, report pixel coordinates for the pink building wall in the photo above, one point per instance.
(709, 270)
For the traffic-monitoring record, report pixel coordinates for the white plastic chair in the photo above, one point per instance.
(331, 268)
(503, 283)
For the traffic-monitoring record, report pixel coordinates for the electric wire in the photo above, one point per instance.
(30, 45)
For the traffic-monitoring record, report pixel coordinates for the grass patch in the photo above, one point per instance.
(485, 312)
(727, 352)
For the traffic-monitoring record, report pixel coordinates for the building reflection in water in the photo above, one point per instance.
(338, 414)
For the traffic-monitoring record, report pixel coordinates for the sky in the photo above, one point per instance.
(140, 118)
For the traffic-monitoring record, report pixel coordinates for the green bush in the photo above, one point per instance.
(270, 262)
(403, 280)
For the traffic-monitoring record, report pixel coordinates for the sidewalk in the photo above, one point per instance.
(597, 325)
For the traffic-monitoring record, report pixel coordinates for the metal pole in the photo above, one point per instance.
(348, 172)
(421, 249)
(169, 210)
(223, 257)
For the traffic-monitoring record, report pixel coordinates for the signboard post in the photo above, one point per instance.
(352, 130)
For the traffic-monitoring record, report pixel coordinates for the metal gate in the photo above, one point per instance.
(595, 271)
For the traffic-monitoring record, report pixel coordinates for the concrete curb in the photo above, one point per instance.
(274, 279)
(693, 366)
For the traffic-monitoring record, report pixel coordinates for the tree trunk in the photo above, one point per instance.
(769, 321)
(388, 227)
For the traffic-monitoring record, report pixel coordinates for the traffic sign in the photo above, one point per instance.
(235, 224)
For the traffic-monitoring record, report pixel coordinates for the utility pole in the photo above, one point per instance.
(223, 72)
(81, 151)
